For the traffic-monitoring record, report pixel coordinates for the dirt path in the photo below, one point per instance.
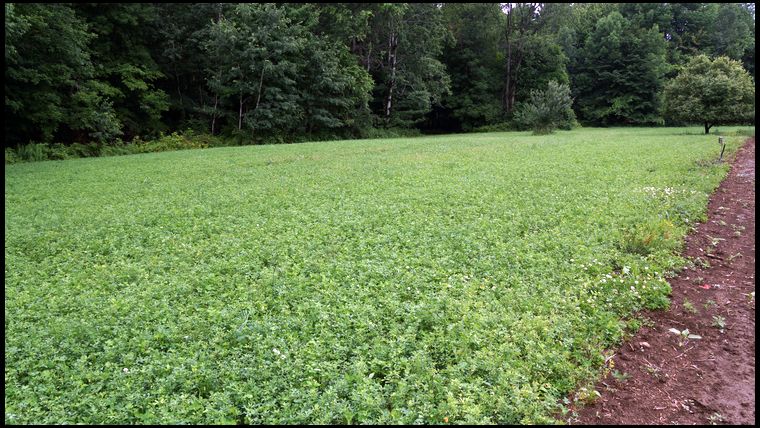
(710, 380)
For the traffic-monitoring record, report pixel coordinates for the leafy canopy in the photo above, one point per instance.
(711, 92)
(621, 73)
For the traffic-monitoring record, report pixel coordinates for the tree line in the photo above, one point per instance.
(97, 73)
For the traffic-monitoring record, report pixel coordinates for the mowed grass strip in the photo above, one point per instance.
(463, 278)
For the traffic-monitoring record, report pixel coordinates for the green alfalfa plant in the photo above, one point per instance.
(719, 322)
(621, 377)
(688, 306)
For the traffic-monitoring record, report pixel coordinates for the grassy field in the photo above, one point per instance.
(463, 278)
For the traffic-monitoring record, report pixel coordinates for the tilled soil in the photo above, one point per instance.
(699, 381)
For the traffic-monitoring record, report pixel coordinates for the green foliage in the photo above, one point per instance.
(92, 112)
(474, 63)
(403, 48)
(719, 322)
(374, 282)
(733, 32)
(126, 73)
(547, 110)
(498, 127)
(621, 73)
(336, 90)
(32, 152)
(711, 92)
(688, 306)
(544, 62)
(80, 72)
(644, 239)
(170, 142)
(94, 73)
(11, 156)
(48, 66)
(279, 77)
(389, 133)
(15, 27)
(175, 141)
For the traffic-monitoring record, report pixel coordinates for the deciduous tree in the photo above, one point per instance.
(711, 92)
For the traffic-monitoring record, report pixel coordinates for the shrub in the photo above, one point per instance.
(11, 156)
(116, 149)
(173, 141)
(497, 127)
(389, 133)
(33, 152)
(205, 140)
(79, 150)
(547, 110)
(59, 151)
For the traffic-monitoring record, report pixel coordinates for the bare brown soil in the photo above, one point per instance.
(701, 381)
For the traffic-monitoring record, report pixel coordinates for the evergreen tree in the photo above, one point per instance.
(621, 73)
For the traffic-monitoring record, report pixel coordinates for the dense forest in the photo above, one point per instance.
(264, 73)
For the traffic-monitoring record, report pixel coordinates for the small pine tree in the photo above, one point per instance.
(547, 110)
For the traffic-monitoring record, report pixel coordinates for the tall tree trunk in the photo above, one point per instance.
(240, 112)
(506, 96)
(369, 56)
(179, 91)
(513, 91)
(392, 52)
(707, 128)
(517, 30)
(213, 115)
(261, 83)
(505, 99)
